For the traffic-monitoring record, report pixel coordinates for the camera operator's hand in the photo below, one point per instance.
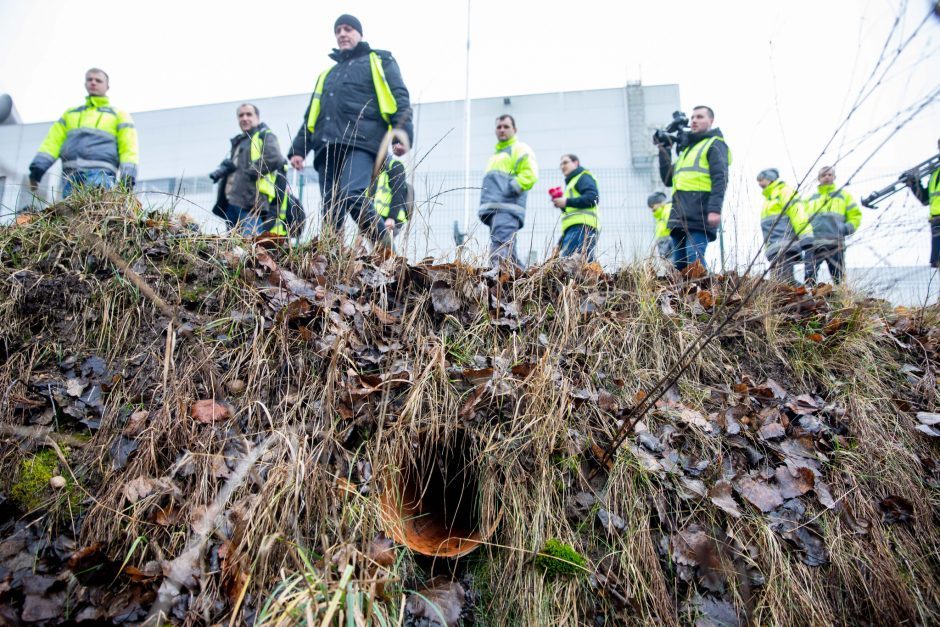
(225, 168)
(560, 202)
(910, 180)
(399, 149)
(662, 140)
(714, 219)
(297, 162)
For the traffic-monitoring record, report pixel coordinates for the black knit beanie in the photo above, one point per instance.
(348, 20)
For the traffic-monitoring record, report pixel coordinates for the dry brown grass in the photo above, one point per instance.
(568, 350)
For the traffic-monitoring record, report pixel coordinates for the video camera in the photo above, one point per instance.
(225, 168)
(674, 133)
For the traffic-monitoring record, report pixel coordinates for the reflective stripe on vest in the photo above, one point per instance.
(265, 184)
(572, 216)
(382, 199)
(691, 173)
(387, 104)
(933, 191)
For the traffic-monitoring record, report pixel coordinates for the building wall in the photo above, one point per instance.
(179, 147)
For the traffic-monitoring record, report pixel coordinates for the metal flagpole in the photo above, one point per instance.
(466, 146)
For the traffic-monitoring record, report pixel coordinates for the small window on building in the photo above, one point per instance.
(167, 185)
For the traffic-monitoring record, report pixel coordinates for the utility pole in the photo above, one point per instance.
(466, 131)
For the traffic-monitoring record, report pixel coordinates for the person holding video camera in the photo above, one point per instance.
(699, 178)
(247, 192)
(578, 203)
(929, 195)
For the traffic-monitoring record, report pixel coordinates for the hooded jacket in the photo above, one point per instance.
(691, 208)
(510, 174)
(833, 214)
(92, 136)
(349, 111)
(780, 231)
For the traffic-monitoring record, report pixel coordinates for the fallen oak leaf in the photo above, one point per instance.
(137, 489)
(720, 495)
(209, 411)
(761, 495)
(772, 431)
(794, 482)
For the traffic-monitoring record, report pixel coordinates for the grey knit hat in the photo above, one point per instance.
(655, 198)
(770, 174)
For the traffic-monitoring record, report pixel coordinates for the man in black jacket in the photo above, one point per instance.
(699, 177)
(246, 179)
(353, 105)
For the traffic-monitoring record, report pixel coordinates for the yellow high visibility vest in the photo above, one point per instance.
(573, 216)
(691, 173)
(383, 93)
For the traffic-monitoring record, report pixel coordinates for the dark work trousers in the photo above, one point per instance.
(782, 263)
(688, 247)
(834, 256)
(935, 243)
(345, 174)
(503, 229)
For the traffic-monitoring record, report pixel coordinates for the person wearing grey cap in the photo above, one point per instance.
(354, 104)
(783, 220)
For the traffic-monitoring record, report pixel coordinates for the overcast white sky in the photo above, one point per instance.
(781, 76)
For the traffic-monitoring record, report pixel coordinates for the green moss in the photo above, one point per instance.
(559, 559)
(194, 294)
(32, 486)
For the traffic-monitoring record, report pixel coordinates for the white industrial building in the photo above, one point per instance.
(609, 129)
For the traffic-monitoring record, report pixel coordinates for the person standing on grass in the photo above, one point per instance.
(579, 219)
(661, 207)
(930, 196)
(247, 197)
(833, 216)
(354, 104)
(391, 195)
(96, 142)
(699, 178)
(510, 174)
(783, 220)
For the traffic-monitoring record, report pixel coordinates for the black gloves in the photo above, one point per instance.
(35, 174)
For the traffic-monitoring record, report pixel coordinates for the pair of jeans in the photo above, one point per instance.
(579, 239)
(345, 175)
(688, 247)
(833, 256)
(94, 177)
(248, 223)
